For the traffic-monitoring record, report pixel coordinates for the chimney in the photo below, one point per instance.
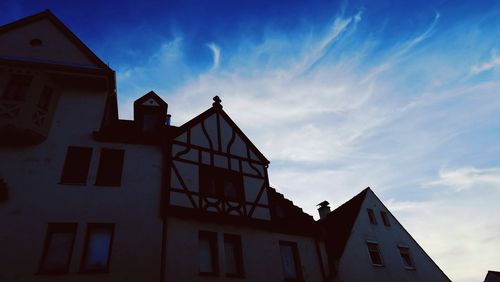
(324, 209)
(168, 119)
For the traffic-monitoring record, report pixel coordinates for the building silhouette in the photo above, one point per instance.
(492, 276)
(86, 196)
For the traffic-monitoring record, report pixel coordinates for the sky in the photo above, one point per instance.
(401, 96)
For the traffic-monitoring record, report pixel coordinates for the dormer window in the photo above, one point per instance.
(150, 112)
(221, 183)
(18, 87)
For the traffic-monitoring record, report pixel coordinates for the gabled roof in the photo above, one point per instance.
(340, 222)
(47, 14)
(150, 95)
(217, 108)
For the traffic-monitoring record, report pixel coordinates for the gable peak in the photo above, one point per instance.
(47, 33)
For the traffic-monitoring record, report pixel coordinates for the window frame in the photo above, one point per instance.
(385, 218)
(54, 228)
(85, 252)
(211, 237)
(405, 249)
(21, 83)
(101, 174)
(238, 255)
(68, 162)
(46, 97)
(379, 253)
(216, 176)
(296, 259)
(371, 216)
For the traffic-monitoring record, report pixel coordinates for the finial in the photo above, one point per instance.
(217, 101)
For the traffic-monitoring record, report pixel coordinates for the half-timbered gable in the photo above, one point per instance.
(216, 168)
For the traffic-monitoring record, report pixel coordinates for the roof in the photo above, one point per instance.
(150, 95)
(217, 108)
(47, 14)
(341, 221)
(289, 214)
(493, 273)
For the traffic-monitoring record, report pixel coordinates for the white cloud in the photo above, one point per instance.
(493, 63)
(216, 55)
(468, 177)
(334, 120)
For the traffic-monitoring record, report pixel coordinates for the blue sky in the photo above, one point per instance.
(401, 96)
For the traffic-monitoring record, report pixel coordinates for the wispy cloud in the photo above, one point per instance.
(336, 112)
(493, 63)
(402, 49)
(216, 55)
(468, 177)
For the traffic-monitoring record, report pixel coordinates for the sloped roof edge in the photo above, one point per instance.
(47, 14)
(217, 108)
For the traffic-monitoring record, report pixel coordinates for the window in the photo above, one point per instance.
(374, 252)
(207, 253)
(404, 251)
(233, 258)
(18, 87)
(385, 218)
(36, 42)
(221, 183)
(290, 260)
(150, 122)
(371, 216)
(45, 98)
(76, 165)
(110, 168)
(58, 247)
(97, 249)
(4, 192)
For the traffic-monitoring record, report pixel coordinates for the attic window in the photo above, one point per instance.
(385, 218)
(221, 183)
(371, 216)
(36, 42)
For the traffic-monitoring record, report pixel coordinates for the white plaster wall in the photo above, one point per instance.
(260, 248)
(355, 264)
(36, 198)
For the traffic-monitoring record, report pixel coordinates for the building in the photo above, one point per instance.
(492, 276)
(85, 196)
(73, 204)
(130, 200)
(365, 242)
